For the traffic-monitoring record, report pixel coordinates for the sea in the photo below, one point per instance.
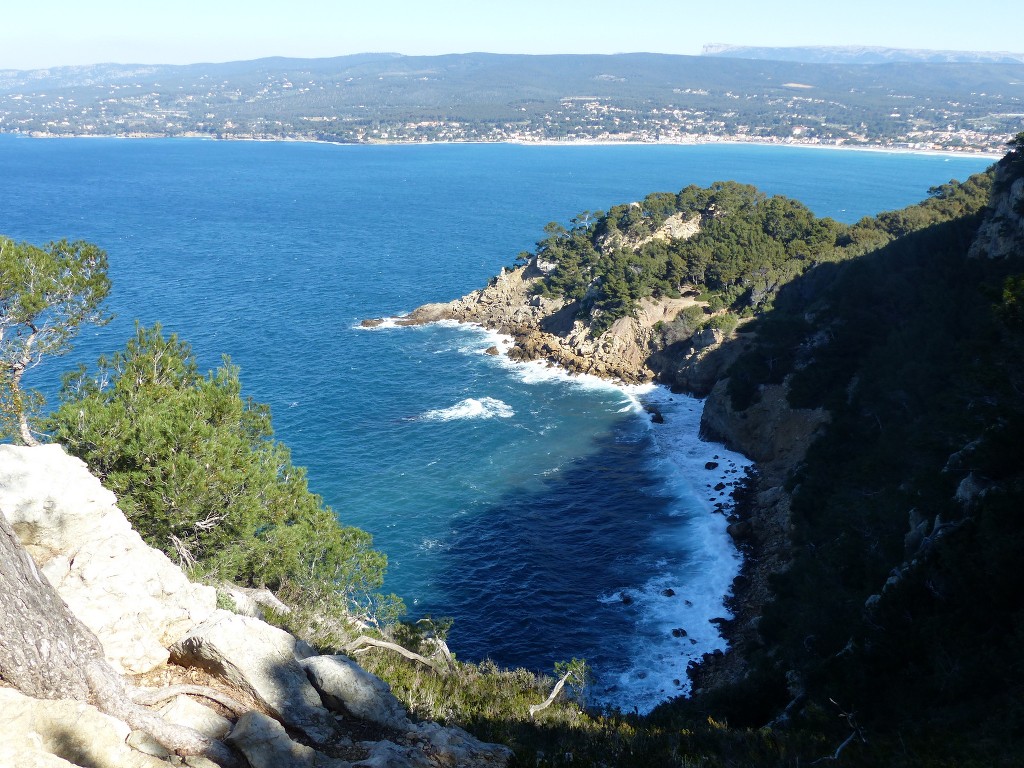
(549, 516)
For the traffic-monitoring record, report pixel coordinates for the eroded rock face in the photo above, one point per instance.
(550, 329)
(48, 733)
(770, 431)
(1001, 234)
(265, 744)
(259, 659)
(345, 687)
(132, 596)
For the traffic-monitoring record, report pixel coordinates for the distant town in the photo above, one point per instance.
(478, 97)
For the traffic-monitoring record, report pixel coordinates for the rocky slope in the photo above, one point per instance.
(635, 350)
(555, 330)
(286, 706)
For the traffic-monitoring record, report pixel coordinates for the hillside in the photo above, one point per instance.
(876, 377)
(874, 372)
(857, 54)
(972, 105)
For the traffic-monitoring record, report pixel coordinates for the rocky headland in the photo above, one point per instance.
(636, 349)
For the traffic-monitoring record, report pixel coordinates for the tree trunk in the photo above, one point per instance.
(18, 396)
(47, 653)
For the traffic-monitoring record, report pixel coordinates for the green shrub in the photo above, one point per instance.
(197, 473)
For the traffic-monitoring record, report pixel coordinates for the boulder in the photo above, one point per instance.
(454, 747)
(708, 337)
(182, 710)
(260, 659)
(265, 744)
(387, 754)
(346, 687)
(38, 732)
(132, 596)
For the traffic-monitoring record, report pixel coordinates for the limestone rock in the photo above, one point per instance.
(265, 744)
(260, 659)
(132, 596)
(36, 729)
(1001, 234)
(22, 756)
(707, 337)
(387, 754)
(770, 431)
(182, 710)
(454, 747)
(345, 687)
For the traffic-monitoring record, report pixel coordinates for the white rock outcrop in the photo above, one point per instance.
(265, 744)
(139, 603)
(260, 659)
(345, 687)
(181, 710)
(132, 596)
(54, 733)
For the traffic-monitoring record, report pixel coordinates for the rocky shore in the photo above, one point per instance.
(635, 350)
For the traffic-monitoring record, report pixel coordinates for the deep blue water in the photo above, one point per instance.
(546, 515)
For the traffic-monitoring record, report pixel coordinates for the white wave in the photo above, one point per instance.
(677, 604)
(386, 323)
(471, 408)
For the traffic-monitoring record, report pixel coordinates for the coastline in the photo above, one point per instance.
(698, 141)
(682, 614)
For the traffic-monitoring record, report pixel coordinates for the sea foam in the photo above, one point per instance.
(676, 606)
(471, 408)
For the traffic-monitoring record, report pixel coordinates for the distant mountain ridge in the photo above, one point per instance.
(857, 54)
(637, 97)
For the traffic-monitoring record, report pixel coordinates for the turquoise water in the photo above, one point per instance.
(546, 515)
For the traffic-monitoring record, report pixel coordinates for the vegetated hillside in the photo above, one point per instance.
(856, 54)
(636, 96)
(900, 613)
(730, 243)
(896, 621)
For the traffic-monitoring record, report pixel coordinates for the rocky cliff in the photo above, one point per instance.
(1001, 234)
(282, 705)
(559, 331)
(637, 349)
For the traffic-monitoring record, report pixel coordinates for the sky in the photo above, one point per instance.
(51, 33)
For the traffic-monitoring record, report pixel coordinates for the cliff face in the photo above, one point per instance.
(633, 349)
(1001, 234)
(554, 330)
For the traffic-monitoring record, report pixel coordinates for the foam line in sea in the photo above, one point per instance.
(677, 605)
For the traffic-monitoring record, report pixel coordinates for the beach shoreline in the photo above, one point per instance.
(698, 141)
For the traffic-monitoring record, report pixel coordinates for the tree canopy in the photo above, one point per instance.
(46, 295)
(196, 470)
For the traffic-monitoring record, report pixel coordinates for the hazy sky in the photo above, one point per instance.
(49, 33)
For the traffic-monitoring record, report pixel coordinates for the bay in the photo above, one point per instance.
(546, 515)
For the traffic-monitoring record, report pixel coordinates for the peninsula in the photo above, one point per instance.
(882, 422)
